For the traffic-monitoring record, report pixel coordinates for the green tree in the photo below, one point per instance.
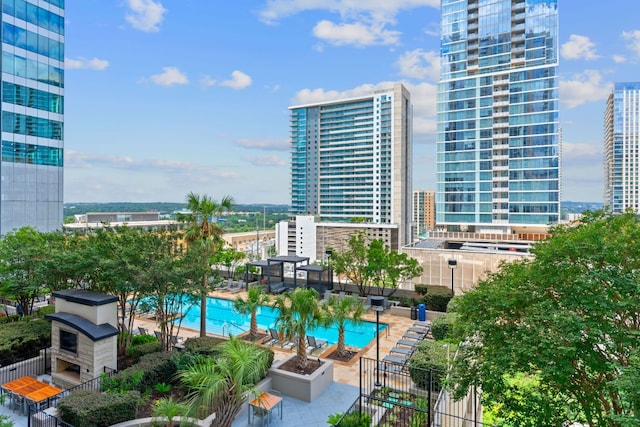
(368, 264)
(338, 311)
(169, 408)
(221, 385)
(299, 311)
(387, 267)
(21, 255)
(255, 298)
(568, 317)
(228, 257)
(202, 231)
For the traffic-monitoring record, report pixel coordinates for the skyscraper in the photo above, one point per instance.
(622, 148)
(31, 185)
(351, 159)
(424, 211)
(498, 160)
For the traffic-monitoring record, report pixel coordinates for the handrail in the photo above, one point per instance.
(234, 325)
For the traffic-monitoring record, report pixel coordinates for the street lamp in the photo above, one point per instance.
(377, 304)
(452, 265)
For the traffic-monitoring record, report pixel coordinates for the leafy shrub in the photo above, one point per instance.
(90, 409)
(157, 367)
(352, 419)
(44, 310)
(142, 339)
(126, 380)
(19, 339)
(437, 298)
(202, 345)
(184, 359)
(429, 364)
(137, 351)
(443, 327)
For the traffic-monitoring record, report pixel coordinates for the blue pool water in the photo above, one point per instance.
(222, 319)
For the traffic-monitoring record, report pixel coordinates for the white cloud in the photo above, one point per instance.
(419, 64)
(579, 47)
(634, 40)
(619, 59)
(85, 63)
(239, 80)
(357, 34)
(207, 81)
(383, 10)
(583, 88)
(145, 15)
(423, 98)
(264, 144)
(267, 160)
(169, 77)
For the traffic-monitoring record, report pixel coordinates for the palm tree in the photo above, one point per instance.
(299, 312)
(338, 310)
(169, 408)
(221, 385)
(255, 298)
(200, 230)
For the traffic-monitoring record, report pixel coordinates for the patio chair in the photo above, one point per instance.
(275, 339)
(227, 286)
(315, 343)
(410, 336)
(236, 287)
(326, 297)
(402, 350)
(419, 331)
(143, 331)
(408, 343)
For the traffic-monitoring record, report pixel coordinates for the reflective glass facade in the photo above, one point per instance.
(32, 116)
(352, 159)
(498, 154)
(621, 148)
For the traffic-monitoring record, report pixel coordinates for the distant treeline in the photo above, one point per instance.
(71, 209)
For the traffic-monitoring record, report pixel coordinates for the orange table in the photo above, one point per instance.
(265, 402)
(31, 389)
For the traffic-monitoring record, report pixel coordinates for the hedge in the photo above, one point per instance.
(428, 362)
(91, 409)
(443, 327)
(202, 345)
(19, 340)
(137, 351)
(156, 368)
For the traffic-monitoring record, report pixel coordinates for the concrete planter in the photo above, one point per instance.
(303, 387)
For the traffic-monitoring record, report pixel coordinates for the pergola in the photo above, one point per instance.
(319, 277)
(272, 269)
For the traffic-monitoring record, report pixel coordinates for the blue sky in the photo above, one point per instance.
(164, 97)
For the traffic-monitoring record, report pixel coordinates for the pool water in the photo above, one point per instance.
(222, 319)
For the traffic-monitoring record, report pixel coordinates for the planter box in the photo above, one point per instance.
(303, 387)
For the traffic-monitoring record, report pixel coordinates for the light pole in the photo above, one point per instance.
(329, 252)
(452, 265)
(377, 304)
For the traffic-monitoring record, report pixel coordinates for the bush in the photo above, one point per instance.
(442, 327)
(90, 409)
(126, 380)
(19, 340)
(142, 339)
(437, 298)
(202, 345)
(352, 419)
(137, 351)
(44, 310)
(429, 363)
(158, 368)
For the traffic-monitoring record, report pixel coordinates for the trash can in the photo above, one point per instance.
(414, 313)
(422, 312)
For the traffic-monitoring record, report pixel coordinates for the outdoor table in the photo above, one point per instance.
(30, 389)
(265, 402)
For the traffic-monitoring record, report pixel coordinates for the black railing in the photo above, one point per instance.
(36, 411)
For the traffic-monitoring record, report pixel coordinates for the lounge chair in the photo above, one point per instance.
(408, 343)
(402, 350)
(410, 336)
(236, 286)
(227, 286)
(396, 359)
(326, 297)
(275, 339)
(420, 331)
(316, 343)
(143, 331)
(422, 325)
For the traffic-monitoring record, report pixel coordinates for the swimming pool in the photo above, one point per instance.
(222, 319)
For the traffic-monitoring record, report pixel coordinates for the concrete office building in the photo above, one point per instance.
(622, 148)
(31, 188)
(423, 214)
(352, 158)
(498, 145)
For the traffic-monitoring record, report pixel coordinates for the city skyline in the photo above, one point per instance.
(166, 97)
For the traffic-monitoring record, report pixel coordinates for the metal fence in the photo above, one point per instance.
(38, 414)
(394, 395)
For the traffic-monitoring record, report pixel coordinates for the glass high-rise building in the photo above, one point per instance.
(498, 157)
(622, 148)
(31, 168)
(351, 159)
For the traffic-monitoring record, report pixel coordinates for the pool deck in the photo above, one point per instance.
(344, 373)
